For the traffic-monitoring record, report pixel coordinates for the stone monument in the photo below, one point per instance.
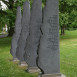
(49, 55)
(16, 34)
(24, 33)
(34, 36)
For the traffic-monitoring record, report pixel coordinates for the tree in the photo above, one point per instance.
(63, 15)
(11, 12)
(68, 14)
(63, 22)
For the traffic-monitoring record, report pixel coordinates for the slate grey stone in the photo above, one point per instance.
(3, 35)
(24, 32)
(34, 35)
(49, 57)
(16, 34)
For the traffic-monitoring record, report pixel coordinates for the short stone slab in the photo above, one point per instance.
(3, 35)
(33, 70)
(53, 75)
(15, 61)
(23, 64)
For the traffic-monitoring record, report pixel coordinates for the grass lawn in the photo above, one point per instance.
(68, 53)
(68, 56)
(8, 68)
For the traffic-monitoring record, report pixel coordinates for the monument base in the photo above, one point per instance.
(15, 60)
(23, 64)
(33, 70)
(53, 75)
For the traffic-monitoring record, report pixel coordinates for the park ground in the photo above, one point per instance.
(68, 57)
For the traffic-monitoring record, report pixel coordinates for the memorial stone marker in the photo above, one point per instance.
(34, 35)
(49, 56)
(24, 32)
(16, 34)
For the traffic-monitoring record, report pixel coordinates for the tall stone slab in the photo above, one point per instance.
(34, 35)
(16, 34)
(49, 56)
(24, 32)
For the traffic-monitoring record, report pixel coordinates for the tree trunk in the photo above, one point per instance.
(63, 30)
(11, 29)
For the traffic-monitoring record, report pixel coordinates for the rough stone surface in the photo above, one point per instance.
(34, 35)
(48, 59)
(16, 35)
(24, 32)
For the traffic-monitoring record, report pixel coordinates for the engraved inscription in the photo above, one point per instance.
(53, 33)
(53, 20)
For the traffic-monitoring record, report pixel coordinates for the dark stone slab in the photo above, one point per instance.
(49, 57)
(3, 35)
(24, 32)
(16, 35)
(23, 64)
(34, 35)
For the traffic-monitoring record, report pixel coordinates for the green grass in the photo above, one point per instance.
(68, 53)
(7, 67)
(69, 35)
(68, 57)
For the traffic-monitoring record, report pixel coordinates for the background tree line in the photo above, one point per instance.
(67, 14)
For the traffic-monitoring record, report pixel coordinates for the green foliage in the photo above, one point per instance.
(3, 20)
(63, 20)
(73, 19)
(68, 12)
